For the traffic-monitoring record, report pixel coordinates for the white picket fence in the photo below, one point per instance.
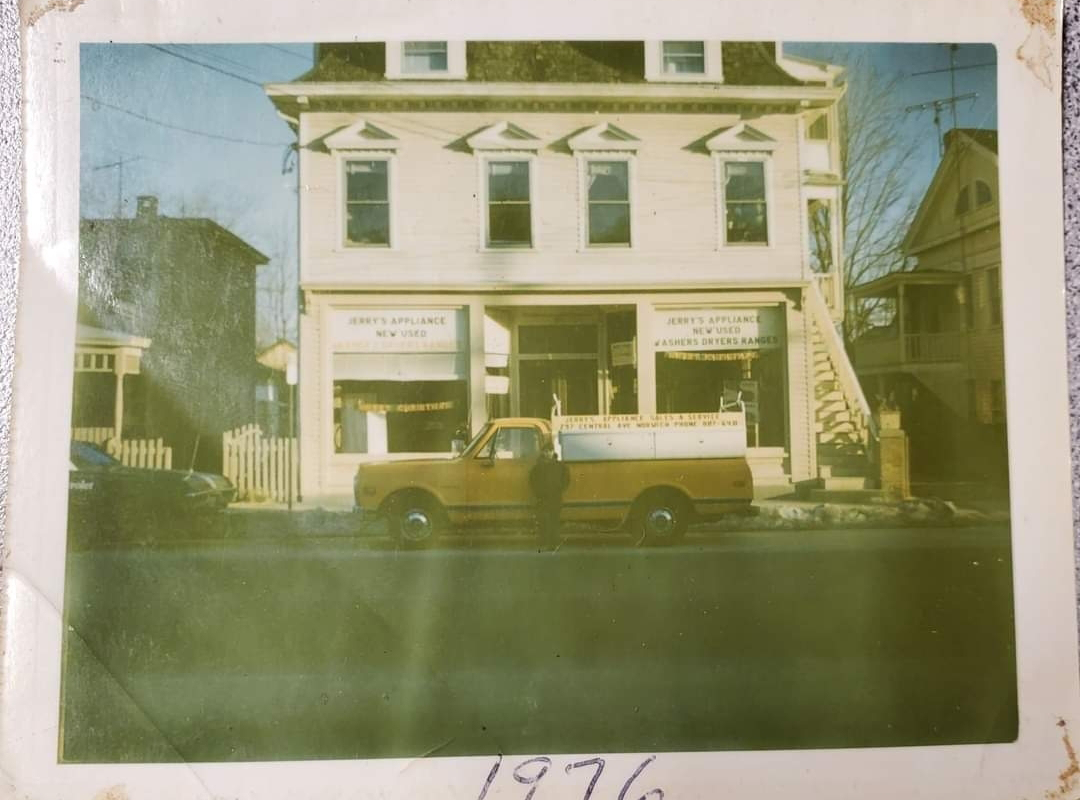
(259, 465)
(146, 453)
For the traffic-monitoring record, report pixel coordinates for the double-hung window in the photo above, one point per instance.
(683, 58)
(746, 217)
(509, 204)
(608, 202)
(425, 60)
(367, 202)
(418, 58)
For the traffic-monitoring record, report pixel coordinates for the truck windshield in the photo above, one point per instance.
(474, 441)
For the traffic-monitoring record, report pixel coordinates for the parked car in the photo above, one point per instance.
(101, 489)
(651, 475)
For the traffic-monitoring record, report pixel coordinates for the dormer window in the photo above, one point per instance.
(426, 60)
(683, 58)
(422, 58)
(683, 61)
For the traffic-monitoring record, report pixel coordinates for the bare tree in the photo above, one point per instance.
(878, 200)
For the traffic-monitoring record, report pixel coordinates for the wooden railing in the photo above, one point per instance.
(832, 292)
(934, 347)
(259, 466)
(845, 372)
(913, 348)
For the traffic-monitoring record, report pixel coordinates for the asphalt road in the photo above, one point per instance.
(343, 647)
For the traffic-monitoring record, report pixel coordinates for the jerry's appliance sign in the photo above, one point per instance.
(696, 329)
(396, 330)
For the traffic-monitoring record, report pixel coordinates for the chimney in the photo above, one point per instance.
(146, 207)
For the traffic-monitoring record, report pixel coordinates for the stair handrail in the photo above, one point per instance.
(834, 344)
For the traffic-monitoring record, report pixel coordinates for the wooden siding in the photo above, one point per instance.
(437, 216)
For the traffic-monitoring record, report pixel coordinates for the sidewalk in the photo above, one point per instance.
(333, 516)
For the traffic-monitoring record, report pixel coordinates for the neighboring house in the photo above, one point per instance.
(628, 227)
(272, 389)
(936, 350)
(107, 387)
(189, 286)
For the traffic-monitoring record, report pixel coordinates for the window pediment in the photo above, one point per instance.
(361, 135)
(503, 136)
(603, 137)
(741, 138)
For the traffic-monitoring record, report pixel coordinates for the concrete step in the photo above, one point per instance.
(852, 496)
(846, 483)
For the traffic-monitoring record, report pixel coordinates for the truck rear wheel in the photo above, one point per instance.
(660, 517)
(415, 519)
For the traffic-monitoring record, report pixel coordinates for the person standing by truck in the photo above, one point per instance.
(548, 479)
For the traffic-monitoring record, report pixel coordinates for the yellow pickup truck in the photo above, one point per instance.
(631, 472)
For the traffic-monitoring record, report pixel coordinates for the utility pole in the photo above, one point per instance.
(119, 167)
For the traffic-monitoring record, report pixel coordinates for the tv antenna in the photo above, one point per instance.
(119, 167)
(940, 104)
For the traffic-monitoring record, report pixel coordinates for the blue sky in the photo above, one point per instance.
(194, 127)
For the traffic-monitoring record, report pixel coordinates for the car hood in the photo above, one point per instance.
(411, 462)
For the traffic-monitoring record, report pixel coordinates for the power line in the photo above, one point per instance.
(204, 65)
(952, 69)
(210, 52)
(288, 52)
(192, 131)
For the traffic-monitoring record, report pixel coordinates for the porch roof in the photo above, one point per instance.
(89, 336)
(888, 284)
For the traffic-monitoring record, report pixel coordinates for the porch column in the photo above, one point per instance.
(900, 314)
(646, 359)
(477, 366)
(118, 407)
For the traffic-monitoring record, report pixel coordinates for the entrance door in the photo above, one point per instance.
(573, 381)
(558, 359)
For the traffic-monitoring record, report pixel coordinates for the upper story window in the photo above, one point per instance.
(683, 61)
(421, 58)
(963, 202)
(742, 154)
(683, 58)
(818, 129)
(509, 204)
(820, 229)
(367, 202)
(426, 60)
(745, 204)
(609, 202)
(605, 171)
(983, 195)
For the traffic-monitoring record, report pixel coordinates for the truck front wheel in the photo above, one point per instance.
(660, 517)
(415, 520)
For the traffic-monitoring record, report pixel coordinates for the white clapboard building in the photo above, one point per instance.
(631, 227)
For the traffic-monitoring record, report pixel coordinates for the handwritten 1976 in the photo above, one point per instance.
(531, 772)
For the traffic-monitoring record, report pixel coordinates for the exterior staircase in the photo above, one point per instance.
(843, 423)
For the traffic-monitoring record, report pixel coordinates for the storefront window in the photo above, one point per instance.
(399, 416)
(708, 381)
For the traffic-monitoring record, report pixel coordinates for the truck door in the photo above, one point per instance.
(497, 477)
